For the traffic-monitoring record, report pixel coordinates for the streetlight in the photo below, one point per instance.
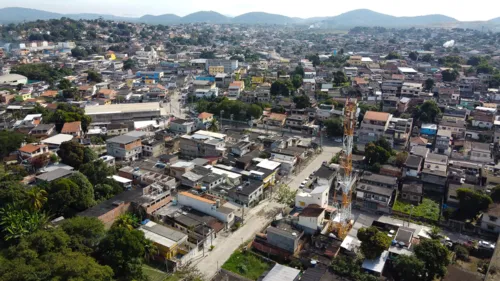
(221, 112)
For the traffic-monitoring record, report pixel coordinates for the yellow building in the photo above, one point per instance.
(214, 70)
(111, 56)
(355, 60)
(257, 80)
(169, 241)
(23, 97)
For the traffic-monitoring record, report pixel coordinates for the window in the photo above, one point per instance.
(492, 218)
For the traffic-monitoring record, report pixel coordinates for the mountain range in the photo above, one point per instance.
(362, 17)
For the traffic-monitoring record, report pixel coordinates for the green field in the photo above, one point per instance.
(154, 274)
(427, 209)
(246, 264)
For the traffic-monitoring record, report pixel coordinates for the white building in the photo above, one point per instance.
(312, 218)
(317, 196)
(207, 206)
(490, 221)
(13, 79)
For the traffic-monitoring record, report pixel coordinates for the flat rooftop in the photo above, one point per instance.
(123, 108)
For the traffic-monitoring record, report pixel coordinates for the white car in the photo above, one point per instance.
(486, 245)
(303, 184)
(338, 140)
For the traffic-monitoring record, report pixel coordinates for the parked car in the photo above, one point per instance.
(338, 140)
(486, 245)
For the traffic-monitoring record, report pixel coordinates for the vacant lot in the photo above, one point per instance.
(246, 264)
(428, 209)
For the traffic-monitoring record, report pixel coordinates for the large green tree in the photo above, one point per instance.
(408, 268)
(339, 78)
(373, 242)
(427, 112)
(74, 154)
(375, 153)
(435, 256)
(334, 127)
(10, 142)
(122, 250)
(302, 101)
(68, 196)
(450, 75)
(281, 88)
(85, 233)
(472, 202)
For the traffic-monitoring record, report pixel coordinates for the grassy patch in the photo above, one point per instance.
(154, 274)
(428, 209)
(246, 264)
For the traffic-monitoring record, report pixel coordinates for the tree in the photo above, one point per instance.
(298, 70)
(373, 242)
(393, 56)
(427, 58)
(435, 256)
(314, 59)
(9, 142)
(297, 81)
(408, 268)
(427, 112)
(461, 252)
(84, 232)
(93, 76)
(17, 222)
(127, 220)
(495, 81)
(74, 154)
(435, 233)
(255, 111)
(429, 84)
(401, 158)
(122, 250)
(339, 78)
(207, 55)
(302, 101)
(281, 88)
(36, 198)
(474, 60)
(427, 46)
(285, 195)
(129, 64)
(150, 250)
(79, 53)
(495, 194)
(64, 84)
(334, 127)
(39, 161)
(449, 75)
(413, 56)
(376, 154)
(472, 202)
(214, 126)
(97, 171)
(67, 197)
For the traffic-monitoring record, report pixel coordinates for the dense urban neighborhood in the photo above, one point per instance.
(207, 150)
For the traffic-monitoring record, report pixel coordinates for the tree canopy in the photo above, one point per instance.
(9, 142)
(472, 202)
(41, 72)
(427, 112)
(373, 242)
(408, 268)
(75, 154)
(281, 88)
(302, 101)
(68, 196)
(435, 257)
(450, 75)
(334, 127)
(240, 110)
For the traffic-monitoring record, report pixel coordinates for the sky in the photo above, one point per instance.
(464, 10)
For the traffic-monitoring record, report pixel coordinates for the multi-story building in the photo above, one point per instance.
(215, 69)
(490, 221)
(296, 121)
(149, 77)
(373, 126)
(207, 206)
(375, 192)
(124, 112)
(435, 172)
(182, 126)
(125, 147)
(443, 142)
(411, 90)
(197, 145)
(229, 65)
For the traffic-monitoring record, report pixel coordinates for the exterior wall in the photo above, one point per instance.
(312, 223)
(441, 181)
(158, 205)
(205, 207)
(287, 244)
(109, 218)
(490, 225)
(131, 151)
(479, 156)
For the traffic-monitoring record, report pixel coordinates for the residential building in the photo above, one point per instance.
(229, 65)
(169, 241)
(125, 147)
(275, 119)
(207, 206)
(31, 150)
(249, 193)
(43, 130)
(235, 89)
(53, 175)
(412, 192)
(181, 126)
(296, 121)
(373, 126)
(149, 77)
(481, 152)
(198, 145)
(413, 166)
(215, 69)
(375, 192)
(443, 142)
(312, 218)
(483, 117)
(455, 125)
(282, 273)
(317, 196)
(72, 128)
(435, 172)
(153, 148)
(204, 120)
(490, 221)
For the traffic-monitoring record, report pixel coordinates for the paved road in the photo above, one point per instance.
(174, 106)
(256, 219)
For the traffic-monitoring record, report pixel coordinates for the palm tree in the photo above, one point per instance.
(150, 250)
(214, 126)
(127, 220)
(36, 198)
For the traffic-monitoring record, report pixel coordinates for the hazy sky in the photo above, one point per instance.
(464, 10)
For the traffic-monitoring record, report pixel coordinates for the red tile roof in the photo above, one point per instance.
(205, 115)
(72, 127)
(377, 116)
(30, 148)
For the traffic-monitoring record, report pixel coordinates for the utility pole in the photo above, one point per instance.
(243, 213)
(221, 112)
